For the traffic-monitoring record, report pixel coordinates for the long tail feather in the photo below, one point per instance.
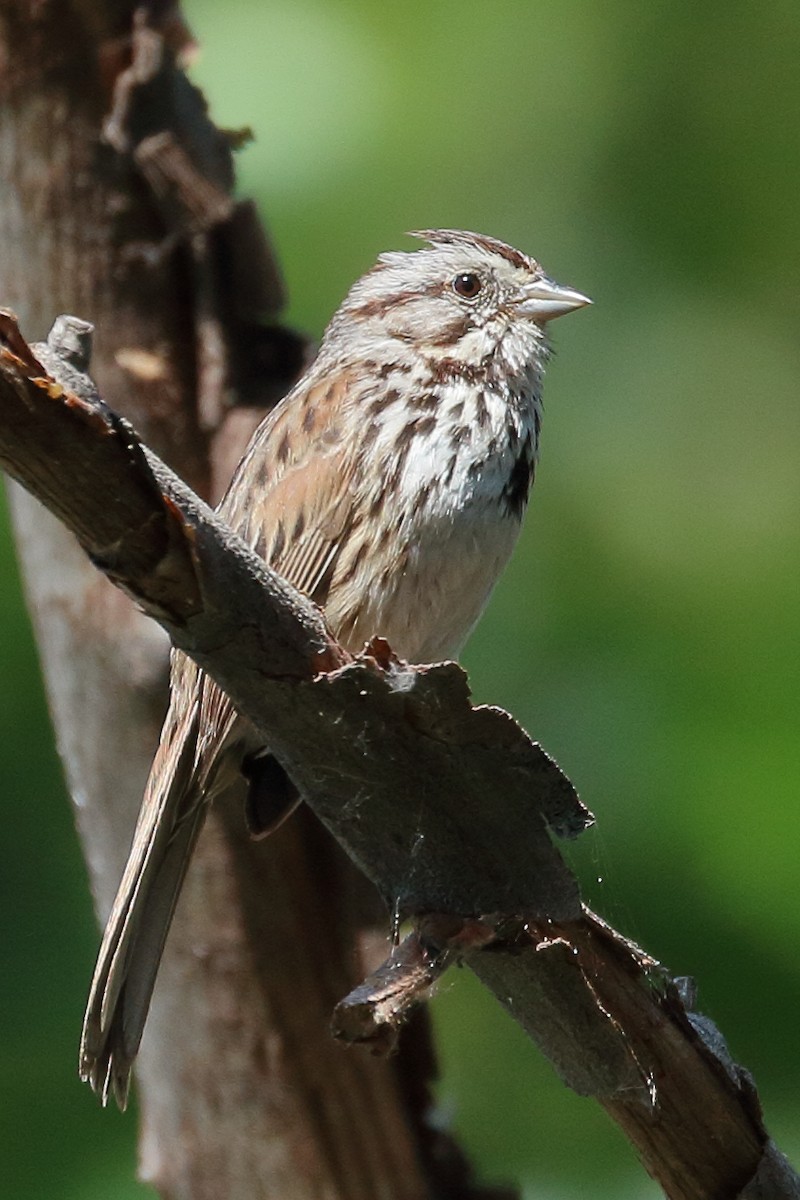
(170, 820)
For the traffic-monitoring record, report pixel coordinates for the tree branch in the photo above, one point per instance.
(443, 805)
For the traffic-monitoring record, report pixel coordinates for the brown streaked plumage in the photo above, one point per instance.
(389, 486)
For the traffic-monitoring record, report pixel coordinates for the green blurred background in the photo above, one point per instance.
(646, 631)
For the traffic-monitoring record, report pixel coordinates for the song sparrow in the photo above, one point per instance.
(389, 486)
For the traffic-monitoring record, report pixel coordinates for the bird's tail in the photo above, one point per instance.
(171, 817)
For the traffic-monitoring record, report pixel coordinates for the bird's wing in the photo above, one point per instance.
(292, 499)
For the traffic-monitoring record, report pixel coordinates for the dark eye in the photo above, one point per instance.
(467, 285)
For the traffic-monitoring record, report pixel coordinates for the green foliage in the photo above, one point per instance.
(646, 631)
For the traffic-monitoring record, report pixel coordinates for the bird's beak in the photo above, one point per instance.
(543, 299)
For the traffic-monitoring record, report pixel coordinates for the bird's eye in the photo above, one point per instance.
(467, 285)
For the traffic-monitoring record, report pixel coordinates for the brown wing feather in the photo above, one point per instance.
(302, 473)
(306, 516)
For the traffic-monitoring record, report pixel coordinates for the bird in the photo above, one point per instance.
(389, 486)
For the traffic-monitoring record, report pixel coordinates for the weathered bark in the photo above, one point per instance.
(116, 205)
